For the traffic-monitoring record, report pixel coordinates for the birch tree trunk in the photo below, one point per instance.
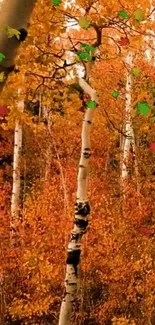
(82, 210)
(129, 141)
(16, 162)
(15, 14)
(126, 143)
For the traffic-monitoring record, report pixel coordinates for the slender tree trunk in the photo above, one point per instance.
(14, 198)
(16, 164)
(126, 143)
(82, 210)
(136, 171)
(15, 14)
(129, 141)
(46, 116)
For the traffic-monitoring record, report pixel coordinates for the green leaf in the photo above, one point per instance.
(56, 2)
(89, 57)
(2, 56)
(88, 48)
(83, 56)
(84, 22)
(12, 32)
(122, 14)
(136, 72)
(115, 93)
(139, 15)
(91, 104)
(142, 108)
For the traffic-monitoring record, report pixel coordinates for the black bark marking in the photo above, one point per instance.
(86, 155)
(87, 121)
(73, 257)
(81, 223)
(83, 209)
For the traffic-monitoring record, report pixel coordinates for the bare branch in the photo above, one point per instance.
(113, 125)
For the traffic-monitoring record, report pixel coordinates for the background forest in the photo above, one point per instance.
(118, 251)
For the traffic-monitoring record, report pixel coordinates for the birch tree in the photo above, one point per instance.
(16, 163)
(14, 14)
(128, 123)
(82, 207)
(129, 140)
(82, 210)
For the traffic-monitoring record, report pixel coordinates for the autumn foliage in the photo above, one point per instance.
(117, 269)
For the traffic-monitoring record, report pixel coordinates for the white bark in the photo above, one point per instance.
(129, 141)
(16, 162)
(82, 211)
(128, 122)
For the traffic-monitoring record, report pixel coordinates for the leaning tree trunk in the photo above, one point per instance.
(15, 14)
(82, 210)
